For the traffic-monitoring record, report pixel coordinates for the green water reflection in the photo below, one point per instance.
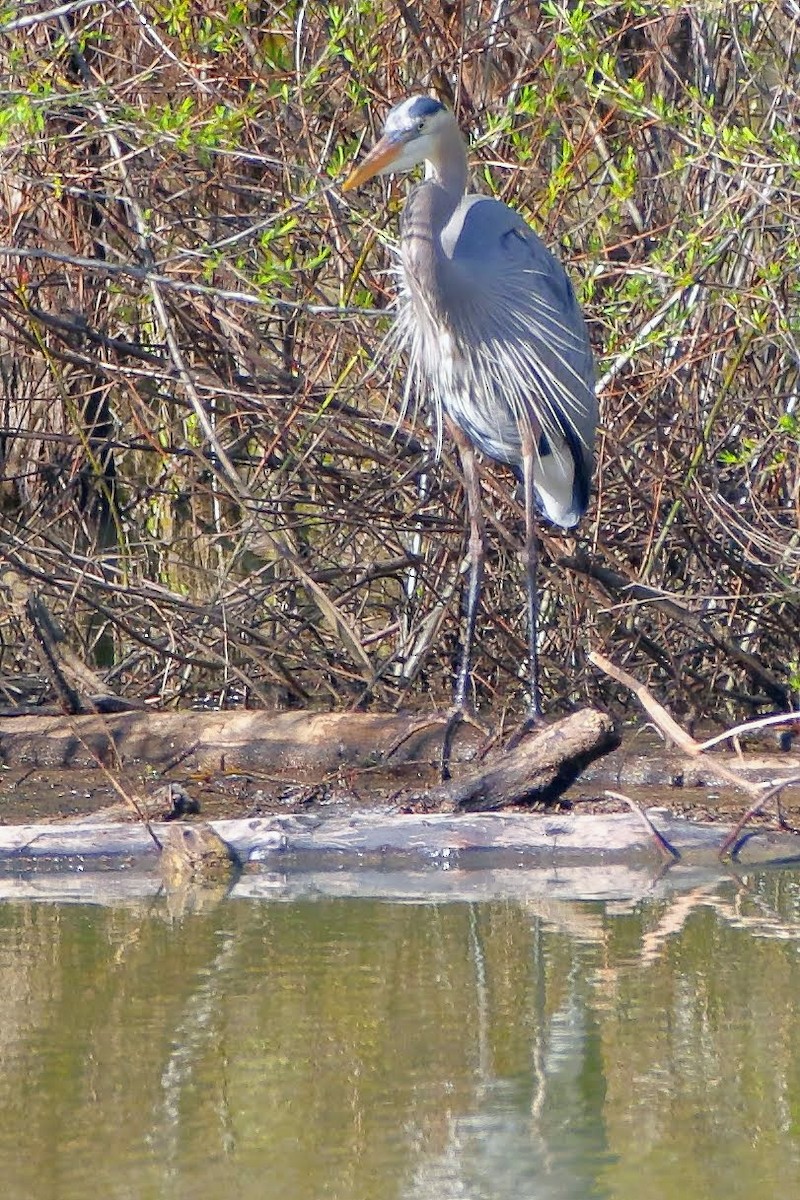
(364, 1049)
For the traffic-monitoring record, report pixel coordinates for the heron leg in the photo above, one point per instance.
(477, 552)
(530, 558)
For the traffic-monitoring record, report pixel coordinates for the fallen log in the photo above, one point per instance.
(306, 743)
(299, 742)
(538, 770)
(233, 762)
(371, 839)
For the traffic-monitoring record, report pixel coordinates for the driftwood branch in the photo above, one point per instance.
(776, 719)
(669, 727)
(657, 713)
(730, 845)
(668, 851)
(539, 769)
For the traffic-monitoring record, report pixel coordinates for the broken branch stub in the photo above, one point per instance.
(538, 770)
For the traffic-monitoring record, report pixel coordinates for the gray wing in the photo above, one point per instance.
(525, 353)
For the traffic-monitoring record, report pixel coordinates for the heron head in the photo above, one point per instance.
(409, 136)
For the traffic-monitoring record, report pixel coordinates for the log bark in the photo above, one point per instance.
(294, 742)
(306, 743)
(383, 841)
(309, 747)
(538, 770)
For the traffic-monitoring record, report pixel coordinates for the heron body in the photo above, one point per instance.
(494, 338)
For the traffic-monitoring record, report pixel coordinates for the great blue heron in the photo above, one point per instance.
(494, 337)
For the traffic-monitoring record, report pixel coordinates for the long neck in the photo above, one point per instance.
(425, 265)
(429, 207)
(449, 166)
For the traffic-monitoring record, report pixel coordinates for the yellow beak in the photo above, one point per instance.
(380, 156)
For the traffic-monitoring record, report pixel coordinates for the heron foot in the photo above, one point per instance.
(459, 714)
(451, 721)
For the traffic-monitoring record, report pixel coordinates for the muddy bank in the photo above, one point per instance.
(252, 764)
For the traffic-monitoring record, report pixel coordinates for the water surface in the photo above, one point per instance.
(359, 1048)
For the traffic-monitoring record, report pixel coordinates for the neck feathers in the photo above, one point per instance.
(449, 167)
(425, 265)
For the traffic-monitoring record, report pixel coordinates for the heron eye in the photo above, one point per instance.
(420, 126)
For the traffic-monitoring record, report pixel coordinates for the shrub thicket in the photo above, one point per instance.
(203, 472)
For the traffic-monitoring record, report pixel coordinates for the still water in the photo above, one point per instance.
(365, 1049)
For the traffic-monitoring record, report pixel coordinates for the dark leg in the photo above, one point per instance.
(477, 552)
(530, 558)
(461, 710)
(476, 557)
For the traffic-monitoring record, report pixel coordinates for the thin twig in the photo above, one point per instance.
(664, 846)
(150, 275)
(39, 18)
(726, 850)
(750, 727)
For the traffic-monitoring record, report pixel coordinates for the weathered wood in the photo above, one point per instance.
(644, 766)
(294, 742)
(539, 769)
(664, 721)
(311, 746)
(292, 842)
